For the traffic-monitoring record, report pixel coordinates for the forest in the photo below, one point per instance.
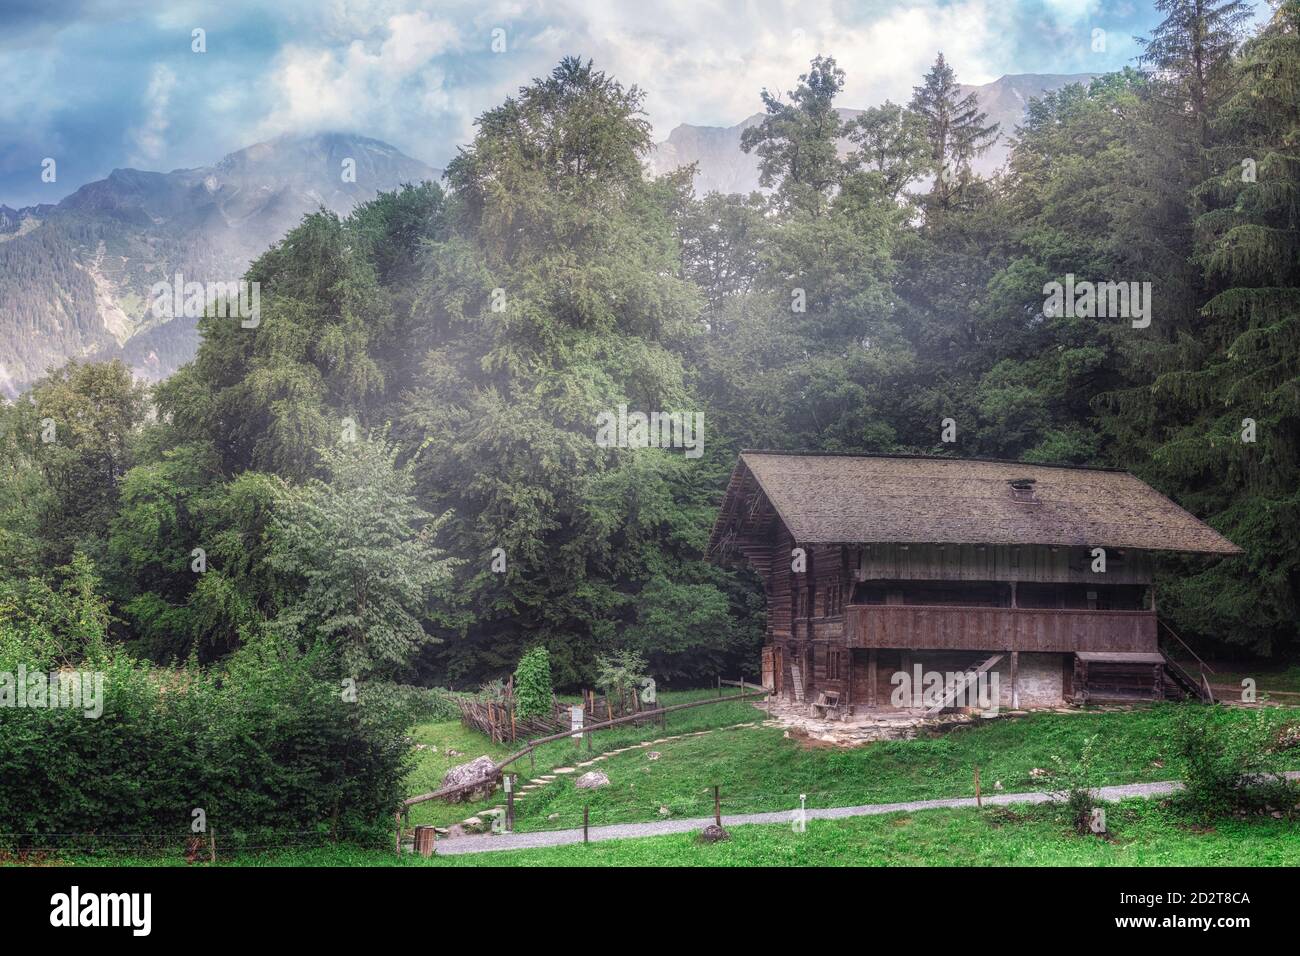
(395, 477)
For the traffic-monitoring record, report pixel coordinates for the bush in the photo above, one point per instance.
(272, 748)
(1074, 788)
(533, 689)
(1228, 762)
(419, 703)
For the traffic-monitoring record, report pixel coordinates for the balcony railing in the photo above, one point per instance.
(939, 627)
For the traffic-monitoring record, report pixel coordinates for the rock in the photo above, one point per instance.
(1038, 772)
(652, 755)
(591, 780)
(552, 816)
(473, 825)
(665, 812)
(997, 784)
(713, 834)
(480, 771)
(454, 753)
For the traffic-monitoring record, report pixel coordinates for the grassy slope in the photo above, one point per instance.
(430, 767)
(760, 769)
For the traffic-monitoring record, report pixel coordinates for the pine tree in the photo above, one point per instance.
(1191, 53)
(956, 128)
(1234, 448)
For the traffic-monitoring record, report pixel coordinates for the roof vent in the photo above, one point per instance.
(1022, 489)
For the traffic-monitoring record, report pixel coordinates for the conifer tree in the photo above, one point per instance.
(956, 128)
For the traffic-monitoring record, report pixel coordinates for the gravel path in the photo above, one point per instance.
(519, 841)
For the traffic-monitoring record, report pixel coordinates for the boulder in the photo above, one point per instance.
(480, 771)
(591, 780)
(713, 834)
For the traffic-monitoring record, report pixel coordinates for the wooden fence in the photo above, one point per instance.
(499, 719)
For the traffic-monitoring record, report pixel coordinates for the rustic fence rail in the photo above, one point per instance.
(499, 719)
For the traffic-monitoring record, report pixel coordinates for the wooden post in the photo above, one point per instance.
(510, 802)
(871, 677)
(425, 839)
(212, 846)
(717, 805)
(397, 832)
(719, 685)
(1015, 676)
(978, 801)
(586, 820)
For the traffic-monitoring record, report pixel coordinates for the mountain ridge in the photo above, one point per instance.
(75, 275)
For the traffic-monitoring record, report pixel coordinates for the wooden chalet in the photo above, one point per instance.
(955, 565)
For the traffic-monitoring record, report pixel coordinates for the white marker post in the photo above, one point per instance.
(575, 722)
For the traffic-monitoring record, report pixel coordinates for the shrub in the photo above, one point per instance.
(271, 748)
(1075, 782)
(420, 703)
(533, 689)
(620, 672)
(1227, 761)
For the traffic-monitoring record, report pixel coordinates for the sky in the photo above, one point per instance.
(102, 84)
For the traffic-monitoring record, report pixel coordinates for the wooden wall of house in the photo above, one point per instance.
(975, 562)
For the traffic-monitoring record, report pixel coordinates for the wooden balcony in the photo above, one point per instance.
(936, 627)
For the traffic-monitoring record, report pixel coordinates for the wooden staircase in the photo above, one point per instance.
(950, 693)
(1182, 679)
(1179, 682)
(797, 676)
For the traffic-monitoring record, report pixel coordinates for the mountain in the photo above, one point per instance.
(75, 277)
(724, 167)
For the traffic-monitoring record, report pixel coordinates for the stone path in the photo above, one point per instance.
(622, 831)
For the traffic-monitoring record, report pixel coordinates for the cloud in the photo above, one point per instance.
(114, 82)
(150, 137)
(365, 82)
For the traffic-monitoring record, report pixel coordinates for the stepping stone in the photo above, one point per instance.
(587, 763)
(565, 769)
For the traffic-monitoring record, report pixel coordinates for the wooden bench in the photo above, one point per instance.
(828, 705)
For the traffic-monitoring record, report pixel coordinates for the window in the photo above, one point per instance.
(833, 600)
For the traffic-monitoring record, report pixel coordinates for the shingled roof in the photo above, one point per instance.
(849, 499)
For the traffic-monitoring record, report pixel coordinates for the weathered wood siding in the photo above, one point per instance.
(974, 562)
(999, 629)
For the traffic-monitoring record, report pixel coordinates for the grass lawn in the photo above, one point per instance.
(1142, 833)
(1279, 682)
(760, 769)
(443, 735)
